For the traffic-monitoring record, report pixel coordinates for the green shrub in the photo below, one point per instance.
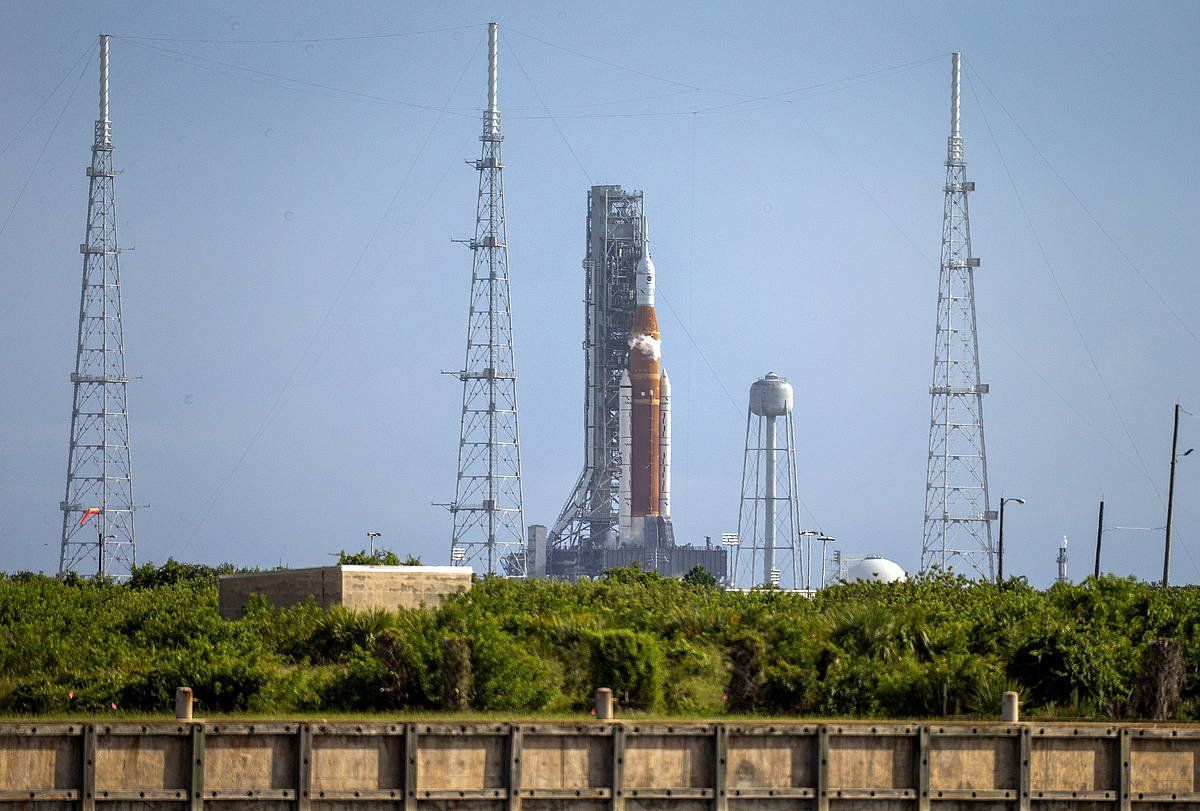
(932, 645)
(631, 663)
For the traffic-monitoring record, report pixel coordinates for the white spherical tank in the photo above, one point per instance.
(874, 569)
(771, 396)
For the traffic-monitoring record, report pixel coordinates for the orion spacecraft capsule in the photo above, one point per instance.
(644, 420)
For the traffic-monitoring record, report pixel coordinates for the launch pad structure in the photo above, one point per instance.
(587, 537)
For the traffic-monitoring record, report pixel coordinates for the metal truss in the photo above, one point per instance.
(99, 472)
(958, 514)
(488, 508)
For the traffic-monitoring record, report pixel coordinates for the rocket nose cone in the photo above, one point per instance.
(646, 263)
(664, 383)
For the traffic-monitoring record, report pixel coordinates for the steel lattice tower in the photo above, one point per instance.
(99, 473)
(488, 512)
(958, 514)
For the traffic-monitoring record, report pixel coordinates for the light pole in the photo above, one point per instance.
(825, 540)
(810, 534)
(371, 536)
(1175, 456)
(1003, 501)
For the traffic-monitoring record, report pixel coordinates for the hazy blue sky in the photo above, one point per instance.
(292, 399)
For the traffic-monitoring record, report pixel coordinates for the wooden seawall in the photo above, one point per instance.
(627, 766)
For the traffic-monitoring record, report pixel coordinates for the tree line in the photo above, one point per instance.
(935, 646)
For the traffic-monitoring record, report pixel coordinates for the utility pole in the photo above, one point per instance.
(1099, 537)
(1166, 578)
(1000, 551)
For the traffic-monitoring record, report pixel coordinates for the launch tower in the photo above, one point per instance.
(97, 529)
(958, 515)
(488, 511)
(619, 512)
(614, 246)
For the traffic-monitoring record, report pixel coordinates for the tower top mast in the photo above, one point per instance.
(103, 124)
(954, 151)
(493, 66)
(492, 115)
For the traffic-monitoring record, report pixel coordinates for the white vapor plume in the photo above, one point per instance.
(646, 344)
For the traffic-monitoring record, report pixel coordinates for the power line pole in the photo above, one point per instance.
(99, 472)
(958, 514)
(1166, 578)
(1099, 537)
(488, 508)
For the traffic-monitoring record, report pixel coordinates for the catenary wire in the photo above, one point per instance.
(1086, 210)
(306, 83)
(553, 120)
(993, 328)
(1063, 296)
(279, 399)
(46, 100)
(304, 41)
(41, 153)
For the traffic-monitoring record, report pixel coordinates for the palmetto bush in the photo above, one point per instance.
(931, 646)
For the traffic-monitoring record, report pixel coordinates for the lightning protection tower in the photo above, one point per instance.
(769, 550)
(958, 514)
(488, 512)
(98, 509)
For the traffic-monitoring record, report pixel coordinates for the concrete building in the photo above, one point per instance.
(389, 587)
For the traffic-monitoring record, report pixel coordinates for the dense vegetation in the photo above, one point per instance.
(1107, 648)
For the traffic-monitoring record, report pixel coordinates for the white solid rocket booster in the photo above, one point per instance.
(625, 432)
(664, 443)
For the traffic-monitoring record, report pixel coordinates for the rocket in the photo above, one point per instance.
(644, 420)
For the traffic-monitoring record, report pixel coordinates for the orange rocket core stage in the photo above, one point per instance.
(646, 413)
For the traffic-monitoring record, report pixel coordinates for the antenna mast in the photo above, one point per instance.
(488, 510)
(98, 506)
(958, 514)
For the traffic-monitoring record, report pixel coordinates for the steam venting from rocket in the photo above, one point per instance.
(648, 345)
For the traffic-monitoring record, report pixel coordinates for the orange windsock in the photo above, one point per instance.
(88, 513)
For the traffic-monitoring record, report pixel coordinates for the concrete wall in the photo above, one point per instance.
(629, 766)
(389, 587)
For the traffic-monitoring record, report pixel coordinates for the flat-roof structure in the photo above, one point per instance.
(388, 587)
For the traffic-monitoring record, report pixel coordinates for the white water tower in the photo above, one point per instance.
(768, 526)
